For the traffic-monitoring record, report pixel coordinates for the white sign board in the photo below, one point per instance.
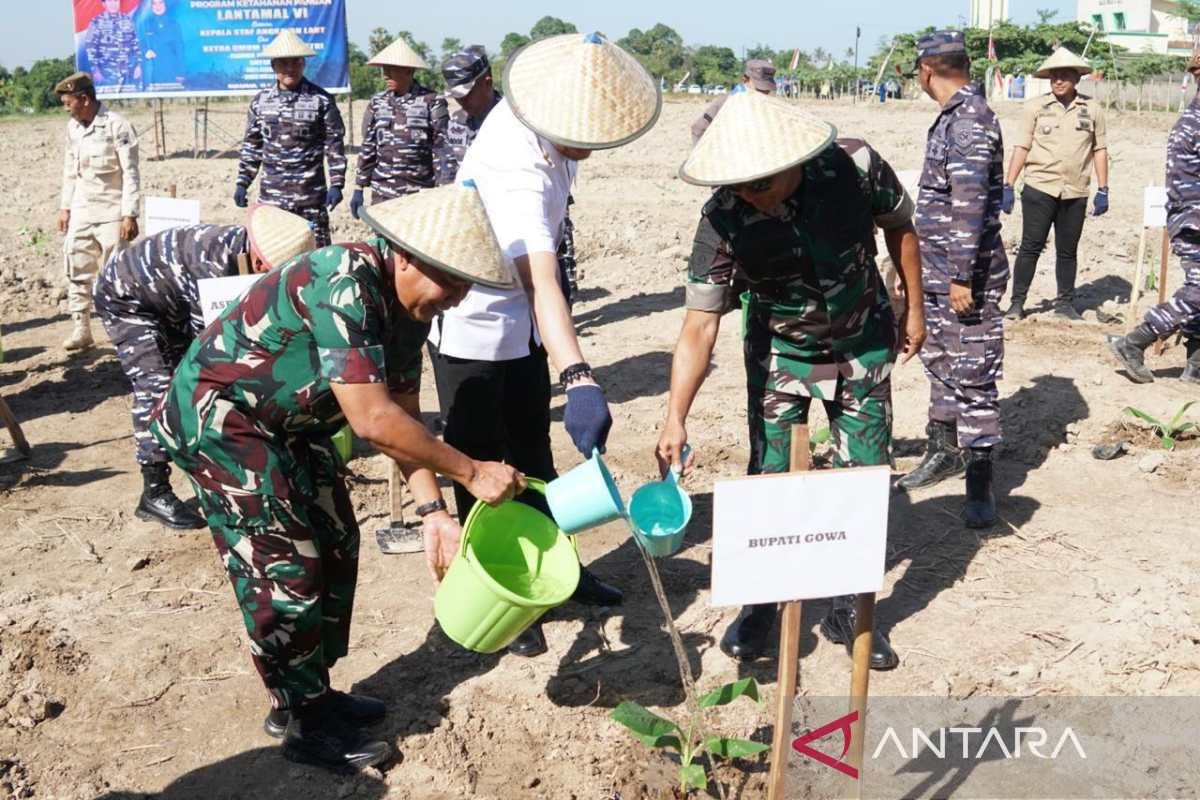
(910, 180)
(170, 212)
(799, 535)
(217, 294)
(1154, 210)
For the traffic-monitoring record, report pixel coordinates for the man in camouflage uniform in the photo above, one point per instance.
(400, 127)
(149, 301)
(100, 197)
(816, 319)
(330, 337)
(111, 45)
(1182, 311)
(965, 271)
(291, 129)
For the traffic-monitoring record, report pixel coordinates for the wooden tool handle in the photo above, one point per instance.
(396, 493)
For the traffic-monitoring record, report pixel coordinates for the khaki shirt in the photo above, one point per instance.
(1062, 142)
(100, 170)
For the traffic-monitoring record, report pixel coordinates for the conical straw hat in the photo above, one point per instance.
(753, 136)
(287, 45)
(1062, 59)
(581, 91)
(278, 236)
(446, 228)
(398, 54)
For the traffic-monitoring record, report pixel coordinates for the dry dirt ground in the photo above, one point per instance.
(123, 666)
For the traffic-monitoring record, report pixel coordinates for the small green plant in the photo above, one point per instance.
(36, 237)
(655, 731)
(819, 437)
(1167, 432)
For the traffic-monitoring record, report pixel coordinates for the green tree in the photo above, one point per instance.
(550, 26)
(1046, 14)
(711, 64)
(379, 39)
(511, 43)
(364, 81)
(660, 50)
(450, 46)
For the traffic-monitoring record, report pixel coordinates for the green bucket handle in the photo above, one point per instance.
(536, 484)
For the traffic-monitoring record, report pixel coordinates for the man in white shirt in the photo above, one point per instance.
(566, 96)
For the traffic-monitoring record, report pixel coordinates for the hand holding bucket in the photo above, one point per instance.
(659, 512)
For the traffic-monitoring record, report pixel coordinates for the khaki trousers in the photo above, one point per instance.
(88, 247)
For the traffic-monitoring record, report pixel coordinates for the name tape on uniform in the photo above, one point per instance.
(217, 294)
(170, 212)
(799, 535)
(1154, 209)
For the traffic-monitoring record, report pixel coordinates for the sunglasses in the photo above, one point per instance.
(753, 187)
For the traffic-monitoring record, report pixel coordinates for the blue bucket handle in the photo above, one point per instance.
(674, 472)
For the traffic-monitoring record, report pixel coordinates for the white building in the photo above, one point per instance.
(1140, 26)
(985, 13)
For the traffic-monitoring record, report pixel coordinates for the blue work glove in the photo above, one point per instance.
(333, 197)
(239, 197)
(1100, 207)
(356, 202)
(1006, 204)
(587, 418)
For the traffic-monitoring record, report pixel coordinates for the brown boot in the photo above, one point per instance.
(81, 335)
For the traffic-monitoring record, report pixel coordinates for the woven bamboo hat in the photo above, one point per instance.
(1062, 59)
(581, 91)
(277, 236)
(754, 135)
(287, 45)
(446, 228)
(398, 54)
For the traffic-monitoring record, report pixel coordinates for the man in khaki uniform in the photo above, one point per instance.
(1061, 140)
(759, 75)
(100, 198)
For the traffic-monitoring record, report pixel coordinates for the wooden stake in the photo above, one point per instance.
(396, 495)
(1135, 291)
(789, 653)
(1161, 344)
(14, 429)
(860, 678)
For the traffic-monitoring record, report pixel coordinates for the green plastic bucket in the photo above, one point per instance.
(342, 442)
(513, 565)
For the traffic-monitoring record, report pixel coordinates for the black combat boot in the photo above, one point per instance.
(1016, 310)
(592, 591)
(317, 734)
(158, 502)
(980, 511)
(531, 642)
(750, 634)
(356, 709)
(838, 627)
(1191, 370)
(1130, 350)
(943, 457)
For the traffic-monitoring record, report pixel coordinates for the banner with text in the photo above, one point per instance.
(196, 48)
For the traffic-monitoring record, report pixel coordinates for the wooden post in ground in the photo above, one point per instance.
(14, 429)
(789, 654)
(1135, 291)
(860, 678)
(1161, 344)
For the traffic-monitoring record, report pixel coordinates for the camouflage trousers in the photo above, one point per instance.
(294, 567)
(318, 221)
(149, 352)
(963, 358)
(1182, 311)
(568, 264)
(859, 411)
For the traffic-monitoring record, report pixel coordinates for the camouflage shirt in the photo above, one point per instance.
(253, 392)
(813, 282)
(161, 271)
(112, 47)
(290, 135)
(1183, 181)
(399, 132)
(958, 207)
(452, 145)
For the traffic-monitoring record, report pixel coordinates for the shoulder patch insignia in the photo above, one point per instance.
(962, 137)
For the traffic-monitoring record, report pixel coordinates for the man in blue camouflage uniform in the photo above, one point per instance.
(149, 301)
(816, 318)
(1182, 311)
(965, 272)
(111, 45)
(291, 129)
(400, 127)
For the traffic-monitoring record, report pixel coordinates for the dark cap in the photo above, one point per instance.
(75, 83)
(761, 74)
(940, 43)
(462, 69)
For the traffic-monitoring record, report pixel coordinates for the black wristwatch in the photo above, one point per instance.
(429, 508)
(574, 372)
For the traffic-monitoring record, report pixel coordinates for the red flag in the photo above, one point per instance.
(795, 62)
(991, 48)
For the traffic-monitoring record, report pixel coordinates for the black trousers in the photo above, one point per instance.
(1039, 211)
(497, 411)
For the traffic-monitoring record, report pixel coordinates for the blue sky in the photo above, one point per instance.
(31, 31)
